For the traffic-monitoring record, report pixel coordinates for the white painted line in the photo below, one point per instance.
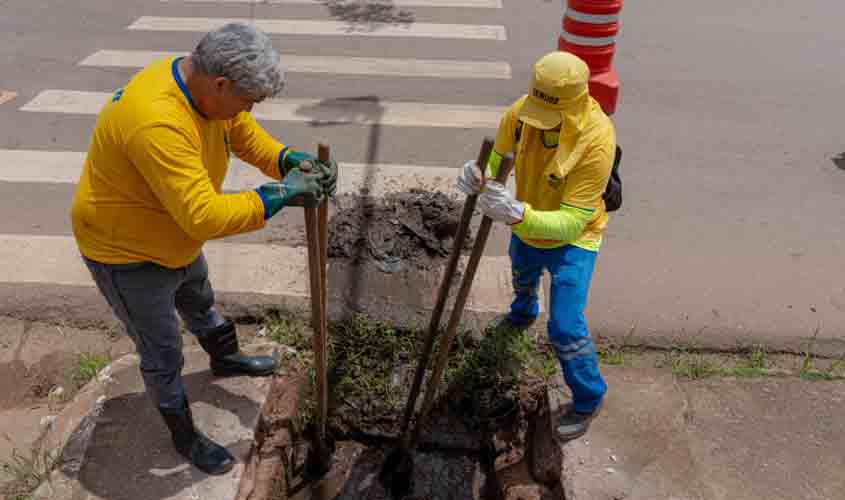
(64, 167)
(326, 28)
(330, 111)
(431, 68)
(235, 268)
(61, 167)
(472, 4)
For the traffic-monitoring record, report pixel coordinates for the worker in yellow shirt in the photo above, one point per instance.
(151, 195)
(564, 146)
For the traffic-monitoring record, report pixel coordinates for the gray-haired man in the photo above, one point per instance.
(151, 194)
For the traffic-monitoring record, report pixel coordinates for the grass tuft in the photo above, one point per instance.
(87, 367)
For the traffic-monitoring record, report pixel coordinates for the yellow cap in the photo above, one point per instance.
(560, 81)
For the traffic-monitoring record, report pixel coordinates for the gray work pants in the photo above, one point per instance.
(145, 297)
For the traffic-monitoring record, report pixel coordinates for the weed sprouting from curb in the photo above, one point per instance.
(88, 366)
(687, 363)
(614, 353)
(754, 363)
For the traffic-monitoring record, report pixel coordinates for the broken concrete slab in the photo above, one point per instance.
(117, 447)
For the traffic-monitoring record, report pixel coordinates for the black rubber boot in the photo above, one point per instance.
(573, 425)
(205, 454)
(221, 343)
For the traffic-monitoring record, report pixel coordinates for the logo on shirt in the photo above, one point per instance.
(117, 95)
(539, 94)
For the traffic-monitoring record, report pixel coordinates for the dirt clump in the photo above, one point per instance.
(415, 228)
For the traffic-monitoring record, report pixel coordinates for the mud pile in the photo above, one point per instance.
(413, 228)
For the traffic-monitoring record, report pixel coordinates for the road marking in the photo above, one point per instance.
(235, 268)
(330, 111)
(64, 167)
(431, 68)
(473, 4)
(8, 95)
(327, 28)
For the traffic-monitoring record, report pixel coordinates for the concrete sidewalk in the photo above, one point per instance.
(115, 446)
(658, 437)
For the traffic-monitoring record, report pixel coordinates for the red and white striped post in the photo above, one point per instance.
(589, 31)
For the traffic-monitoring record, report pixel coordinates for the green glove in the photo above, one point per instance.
(327, 171)
(296, 190)
(293, 159)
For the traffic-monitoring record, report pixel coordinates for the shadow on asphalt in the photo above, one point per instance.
(368, 15)
(358, 109)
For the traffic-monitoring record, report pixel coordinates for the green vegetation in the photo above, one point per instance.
(88, 366)
(687, 363)
(754, 363)
(371, 363)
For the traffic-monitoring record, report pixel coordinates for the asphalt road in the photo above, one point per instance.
(732, 226)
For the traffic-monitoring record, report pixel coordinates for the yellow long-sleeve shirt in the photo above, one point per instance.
(151, 186)
(573, 211)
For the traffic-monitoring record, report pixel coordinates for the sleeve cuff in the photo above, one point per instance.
(264, 202)
(282, 154)
(527, 218)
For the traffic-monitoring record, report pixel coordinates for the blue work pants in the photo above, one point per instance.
(571, 269)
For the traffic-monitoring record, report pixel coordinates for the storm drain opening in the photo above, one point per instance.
(489, 436)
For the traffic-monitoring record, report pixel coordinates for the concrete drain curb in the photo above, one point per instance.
(69, 434)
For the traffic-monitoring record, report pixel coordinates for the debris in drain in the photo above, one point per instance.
(415, 227)
(479, 443)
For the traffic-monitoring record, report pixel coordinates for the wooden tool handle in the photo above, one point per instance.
(443, 292)
(460, 301)
(323, 152)
(316, 230)
(323, 155)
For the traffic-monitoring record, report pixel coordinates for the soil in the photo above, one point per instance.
(471, 435)
(415, 228)
(22, 385)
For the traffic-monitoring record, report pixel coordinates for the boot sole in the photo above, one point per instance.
(219, 472)
(570, 437)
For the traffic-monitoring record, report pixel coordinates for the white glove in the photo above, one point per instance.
(499, 204)
(470, 180)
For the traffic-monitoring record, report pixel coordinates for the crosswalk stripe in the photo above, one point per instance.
(330, 111)
(476, 4)
(261, 269)
(64, 167)
(327, 28)
(432, 68)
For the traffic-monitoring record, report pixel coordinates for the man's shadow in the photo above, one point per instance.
(360, 110)
(130, 454)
